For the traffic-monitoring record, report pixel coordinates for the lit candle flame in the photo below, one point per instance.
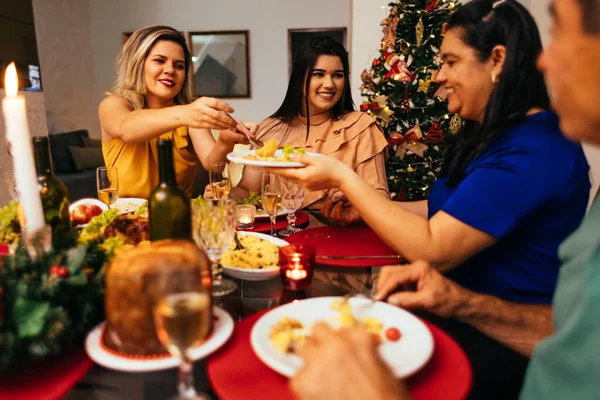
(11, 82)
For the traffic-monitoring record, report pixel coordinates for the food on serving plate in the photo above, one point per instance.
(288, 334)
(83, 213)
(132, 291)
(257, 254)
(127, 207)
(9, 223)
(96, 225)
(142, 210)
(267, 152)
(253, 199)
(132, 228)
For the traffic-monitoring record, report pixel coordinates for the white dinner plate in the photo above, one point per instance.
(134, 203)
(262, 214)
(88, 202)
(222, 330)
(238, 157)
(256, 274)
(405, 356)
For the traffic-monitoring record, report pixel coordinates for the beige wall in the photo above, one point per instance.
(37, 127)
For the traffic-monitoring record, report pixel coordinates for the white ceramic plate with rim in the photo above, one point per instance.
(238, 157)
(405, 356)
(222, 330)
(133, 202)
(88, 202)
(256, 274)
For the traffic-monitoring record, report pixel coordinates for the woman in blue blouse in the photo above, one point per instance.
(511, 186)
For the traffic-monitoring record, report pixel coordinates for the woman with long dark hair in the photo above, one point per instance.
(502, 204)
(317, 114)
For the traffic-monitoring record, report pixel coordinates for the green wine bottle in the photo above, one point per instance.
(54, 193)
(169, 207)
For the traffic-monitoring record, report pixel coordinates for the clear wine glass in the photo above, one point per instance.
(293, 196)
(220, 182)
(107, 182)
(183, 318)
(272, 197)
(213, 229)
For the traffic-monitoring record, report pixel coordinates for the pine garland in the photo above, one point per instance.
(400, 93)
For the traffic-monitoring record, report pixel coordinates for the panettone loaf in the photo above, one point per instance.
(132, 290)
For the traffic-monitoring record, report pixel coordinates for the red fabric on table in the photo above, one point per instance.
(46, 379)
(264, 224)
(346, 241)
(3, 249)
(235, 372)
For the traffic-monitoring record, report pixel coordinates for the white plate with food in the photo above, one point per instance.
(277, 160)
(128, 204)
(406, 343)
(258, 262)
(82, 211)
(222, 330)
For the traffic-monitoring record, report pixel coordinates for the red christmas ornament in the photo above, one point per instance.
(376, 62)
(435, 134)
(406, 102)
(59, 271)
(432, 5)
(374, 107)
(364, 107)
(395, 138)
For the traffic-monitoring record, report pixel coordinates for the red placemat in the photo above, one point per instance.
(264, 224)
(236, 373)
(346, 241)
(46, 379)
(3, 249)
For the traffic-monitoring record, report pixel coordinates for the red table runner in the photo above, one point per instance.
(346, 241)
(235, 373)
(47, 379)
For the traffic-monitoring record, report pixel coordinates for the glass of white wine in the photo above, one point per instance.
(107, 182)
(220, 182)
(272, 197)
(293, 196)
(183, 318)
(213, 227)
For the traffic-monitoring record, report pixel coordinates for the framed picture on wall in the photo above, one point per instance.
(220, 63)
(297, 38)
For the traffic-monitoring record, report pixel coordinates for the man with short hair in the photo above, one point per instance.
(566, 365)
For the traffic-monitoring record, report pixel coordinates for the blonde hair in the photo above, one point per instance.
(130, 82)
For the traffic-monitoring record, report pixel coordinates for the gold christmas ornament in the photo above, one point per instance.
(456, 124)
(420, 31)
(424, 85)
(382, 112)
(410, 169)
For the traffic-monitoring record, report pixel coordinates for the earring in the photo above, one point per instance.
(494, 78)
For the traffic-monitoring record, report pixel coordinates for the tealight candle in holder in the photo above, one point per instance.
(296, 266)
(245, 214)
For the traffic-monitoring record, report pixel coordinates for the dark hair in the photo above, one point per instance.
(520, 86)
(590, 10)
(301, 75)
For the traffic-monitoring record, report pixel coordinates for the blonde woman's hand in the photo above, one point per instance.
(321, 172)
(208, 113)
(236, 136)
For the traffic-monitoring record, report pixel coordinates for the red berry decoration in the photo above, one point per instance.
(376, 62)
(432, 5)
(59, 271)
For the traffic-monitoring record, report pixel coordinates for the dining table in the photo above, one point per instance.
(465, 362)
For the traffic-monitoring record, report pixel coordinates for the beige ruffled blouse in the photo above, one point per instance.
(355, 139)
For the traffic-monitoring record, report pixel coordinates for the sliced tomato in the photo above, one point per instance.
(393, 334)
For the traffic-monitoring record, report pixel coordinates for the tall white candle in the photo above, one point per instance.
(17, 134)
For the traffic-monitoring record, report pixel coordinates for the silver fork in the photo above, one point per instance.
(255, 142)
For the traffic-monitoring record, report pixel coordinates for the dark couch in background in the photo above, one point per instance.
(82, 182)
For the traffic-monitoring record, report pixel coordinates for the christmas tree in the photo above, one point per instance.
(401, 94)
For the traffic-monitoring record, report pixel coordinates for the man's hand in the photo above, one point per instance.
(433, 291)
(344, 365)
(340, 211)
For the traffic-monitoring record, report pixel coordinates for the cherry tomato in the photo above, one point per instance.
(392, 334)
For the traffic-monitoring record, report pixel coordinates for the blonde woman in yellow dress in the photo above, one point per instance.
(151, 100)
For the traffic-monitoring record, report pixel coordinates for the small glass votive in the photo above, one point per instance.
(296, 266)
(244, 215)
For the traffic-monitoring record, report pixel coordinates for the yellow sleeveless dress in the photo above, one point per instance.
(137, 163)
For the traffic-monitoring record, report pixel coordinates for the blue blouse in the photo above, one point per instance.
(529, 189)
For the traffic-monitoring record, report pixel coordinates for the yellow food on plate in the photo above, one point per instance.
(268, 149)
(289, 334)
(258, 254)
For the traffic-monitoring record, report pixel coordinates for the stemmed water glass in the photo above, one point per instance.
(107, 182)
(183, 317)
(272, 196)
(220, 183)
(293, 196)
(213, 229)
